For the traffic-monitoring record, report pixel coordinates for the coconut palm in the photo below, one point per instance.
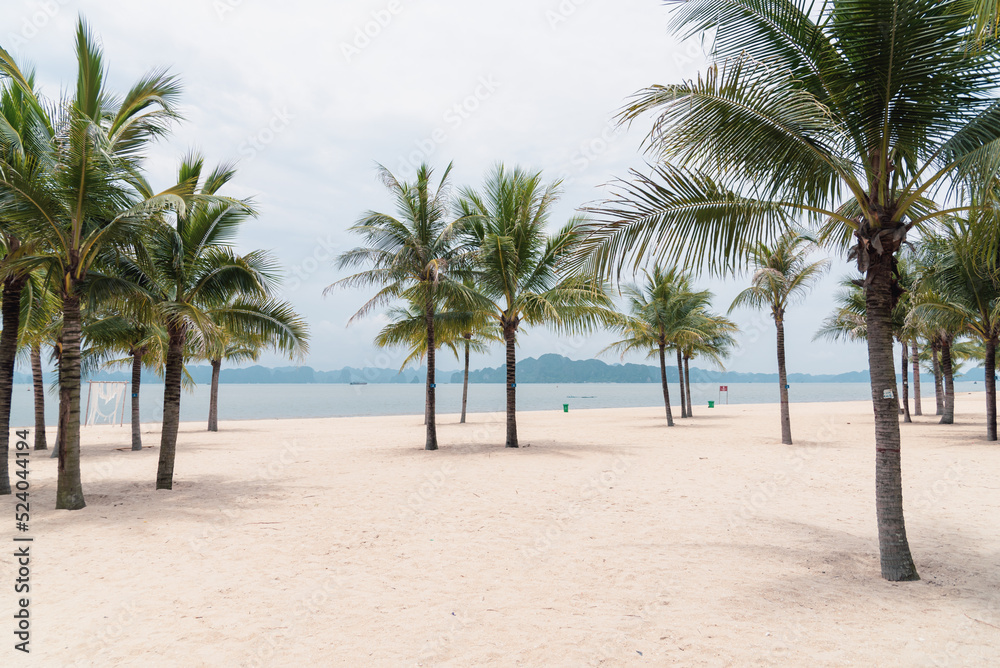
(714, 342)
(462, 330)
(115, 340)
(655, 319)
(964, 296)
(665, 312)
(184, 278)
(74, 195)
(855, 111)
(521, 271)
(782, 274)
(415, 256)
(245, 328)
(39, 326)
(18, 122)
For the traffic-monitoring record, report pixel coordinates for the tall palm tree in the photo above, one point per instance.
(74, 195)
(965, 296)
(522, 272)
(185, 276)
(782, 273)
(856, 111)
(245, 328)
(415, 256)
(18, 124)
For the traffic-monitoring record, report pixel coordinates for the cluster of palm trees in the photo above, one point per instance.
(874, 122)
(472, 269)
(102, 268)
(949, 314)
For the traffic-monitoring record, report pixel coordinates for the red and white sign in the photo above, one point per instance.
(723, 388)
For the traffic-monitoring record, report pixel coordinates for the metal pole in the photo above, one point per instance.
(90, 390)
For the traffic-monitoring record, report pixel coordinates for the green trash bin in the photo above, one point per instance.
(565, 408)
(711, 404)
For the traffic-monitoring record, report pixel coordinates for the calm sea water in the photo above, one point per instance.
(250, 402)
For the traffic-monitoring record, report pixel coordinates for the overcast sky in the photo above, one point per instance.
(309, 96)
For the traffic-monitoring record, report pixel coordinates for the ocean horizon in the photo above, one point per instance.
(292, 401)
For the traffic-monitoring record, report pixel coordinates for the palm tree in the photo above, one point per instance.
(666, 312)
(714, 341)
(522, 272)
(245, 328)
(655, 319)
(39, 326)
(184, 278)
(130, 333)
(73, 194)
(470, 331)
(415, 256)
(854, 111)
(782, 273)
(964, 296)
(18, 122)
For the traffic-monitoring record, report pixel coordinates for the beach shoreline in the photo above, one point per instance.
(609, 540)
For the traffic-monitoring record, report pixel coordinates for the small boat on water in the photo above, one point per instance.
(358, 382)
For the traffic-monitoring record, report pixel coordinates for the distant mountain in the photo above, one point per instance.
(558, 369)
(546, 369)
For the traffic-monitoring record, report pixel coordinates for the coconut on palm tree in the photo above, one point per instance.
(74, 196)
(416, 256)
(782, 274)
(522, 270)
(856, 112)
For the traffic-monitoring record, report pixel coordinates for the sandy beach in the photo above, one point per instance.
(611, 540)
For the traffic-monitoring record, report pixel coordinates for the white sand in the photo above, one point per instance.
(340, 542)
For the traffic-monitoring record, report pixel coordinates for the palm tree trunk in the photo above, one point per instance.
(906, 383)
(69, 488)
(58, 353)
(465, 381)
(897, 563)
(510, 334)
(432, 441)
(213, 397)
(663, 379)
(917, 410)
(687, 384)
(680, 380)
(948, 416)
(12, 288)
(938, 387)
(786, 418)
(38, 385)
(991, 388)
(171, 405)
(136, 386)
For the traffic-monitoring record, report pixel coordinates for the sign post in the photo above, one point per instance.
(723, 388)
